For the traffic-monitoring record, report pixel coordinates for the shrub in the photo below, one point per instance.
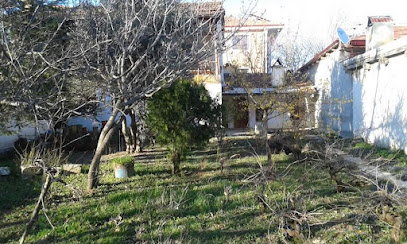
(182, 116)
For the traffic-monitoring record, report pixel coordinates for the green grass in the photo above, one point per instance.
(154, 206)
(376, 152)
(14, 190)
(363, 145)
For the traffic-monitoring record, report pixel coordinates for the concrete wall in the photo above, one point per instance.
(333, 109)
(380, 95)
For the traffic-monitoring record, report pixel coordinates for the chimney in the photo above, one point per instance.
(380, 30)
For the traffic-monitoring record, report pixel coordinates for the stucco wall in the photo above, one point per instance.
(333, 109)
(379, 107)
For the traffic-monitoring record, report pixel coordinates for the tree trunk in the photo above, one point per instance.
(128, 138)
(94, 165)
(176, 161)
(37, 208)
(104, 138)
(270, 162)
(134, 133)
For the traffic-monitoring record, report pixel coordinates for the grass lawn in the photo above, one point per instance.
(204, 205)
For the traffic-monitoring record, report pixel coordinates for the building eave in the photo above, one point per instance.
(319, 55)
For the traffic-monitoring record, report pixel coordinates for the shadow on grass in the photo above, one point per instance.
(80, 157)
(197, 153)
(151, 170)
(16, 191)
(105, 233)
(149, 158)
(350, 219)
(9, 224)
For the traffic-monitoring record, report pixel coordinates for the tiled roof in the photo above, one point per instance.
(356, 46)
(319, 55)
(210, 8)
(358, 41)
(231, 21)
(378, 19)
(247, 80)
(400, 31)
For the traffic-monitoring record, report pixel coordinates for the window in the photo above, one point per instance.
(240, 42)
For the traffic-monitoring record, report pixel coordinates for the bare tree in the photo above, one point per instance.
(135, 48)
(37, 84)
(295, 48)
(36, 79)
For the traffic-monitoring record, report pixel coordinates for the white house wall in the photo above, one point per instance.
(215, 91)
(90, 122)
(333, 109)
(252, 59)
(379, 101)
(279, 121)
(28, 132)
(278, 75)
(275, 120)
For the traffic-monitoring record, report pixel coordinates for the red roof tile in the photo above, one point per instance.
(319, 55)
(358, 41)
(356, 46)
(378, 19)
(206, 9)
(400, 31)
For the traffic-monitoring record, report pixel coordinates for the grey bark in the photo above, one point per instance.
(128, 136)
(136, 143)
(104, 138)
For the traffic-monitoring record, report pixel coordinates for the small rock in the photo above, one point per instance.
(5, 171)
(404, 177)
(30, 170)
(72, 168)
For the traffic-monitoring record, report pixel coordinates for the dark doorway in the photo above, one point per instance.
(241, 116)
